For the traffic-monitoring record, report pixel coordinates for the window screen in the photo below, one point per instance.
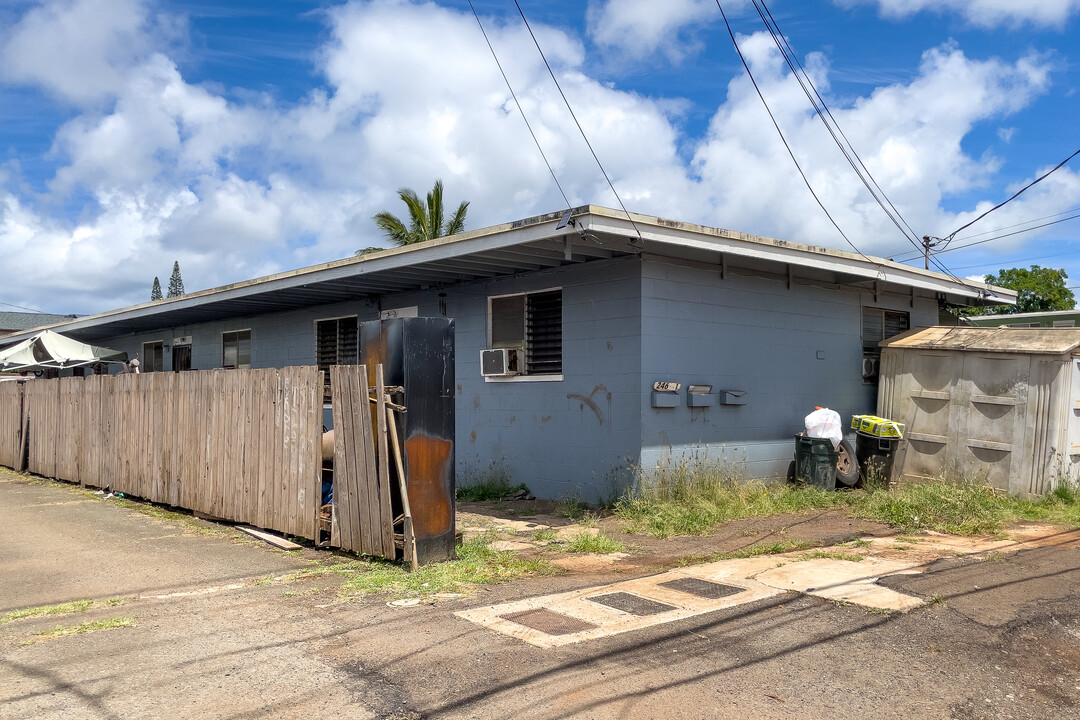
(335, 344)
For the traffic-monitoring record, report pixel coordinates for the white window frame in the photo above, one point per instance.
(251, 354)
(555, 377)
(142, 367)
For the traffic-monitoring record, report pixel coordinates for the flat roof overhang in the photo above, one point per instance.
(524, 246)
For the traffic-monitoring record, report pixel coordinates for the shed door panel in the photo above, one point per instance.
(926, 408)
(993, 398)
(1074, 415)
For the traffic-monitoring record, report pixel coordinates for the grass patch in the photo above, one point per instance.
(831, 555)
(685, 499)
(545, 535)
(859, 542)
(86, 627)
(691, 500)
(584, 542)
(477, 564)
(487, 485)
(748, 552)
(67, 608)
(907, 539)
(572, 509)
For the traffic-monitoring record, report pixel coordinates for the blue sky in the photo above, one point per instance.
(244, 138)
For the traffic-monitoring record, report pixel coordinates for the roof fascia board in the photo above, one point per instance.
(782, 251)
(412, 258)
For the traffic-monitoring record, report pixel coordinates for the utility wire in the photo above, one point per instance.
(518, 103)
(783, 139)
(1015, 195)
(825, 115)
(999, 237)
(22, 307)
(576, 122)
(1014, 261)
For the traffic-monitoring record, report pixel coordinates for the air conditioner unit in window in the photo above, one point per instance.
(870, 368)
(499, 362)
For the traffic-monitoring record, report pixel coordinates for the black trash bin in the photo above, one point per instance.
(815, 462)
(875, 455)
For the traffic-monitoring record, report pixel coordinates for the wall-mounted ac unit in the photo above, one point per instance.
(870, 366)
(499, 362)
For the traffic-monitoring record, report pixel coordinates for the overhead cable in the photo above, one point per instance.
(1015, 195)
(518, 103)
(783, 139)
(821, 109)
(576, 122)
(1003, 235)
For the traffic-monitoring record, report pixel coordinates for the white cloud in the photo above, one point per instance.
(81, 50)
(169, 170)
(983, 13)
(916, 155)
(638, 28)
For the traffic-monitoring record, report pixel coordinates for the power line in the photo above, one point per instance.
(852, 156)
(518, 103)
(783, 139)
(823, 112)
(949, 238)
(22, 307)
(576, 122)
(1004, 235)
(1013, 261)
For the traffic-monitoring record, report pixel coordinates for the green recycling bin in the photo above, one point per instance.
(815, 462)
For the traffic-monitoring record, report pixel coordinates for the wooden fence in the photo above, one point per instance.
(241, 445)
(364, 500)
(12, 425)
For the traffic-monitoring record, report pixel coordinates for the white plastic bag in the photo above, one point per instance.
(825, 423)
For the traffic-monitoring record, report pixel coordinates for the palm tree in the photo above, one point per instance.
(425, 221)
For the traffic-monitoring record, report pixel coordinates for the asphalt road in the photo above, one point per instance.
(213, 639)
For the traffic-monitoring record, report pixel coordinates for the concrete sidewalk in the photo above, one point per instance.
(57, 545)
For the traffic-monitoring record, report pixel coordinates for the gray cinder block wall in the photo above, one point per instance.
(626, 324)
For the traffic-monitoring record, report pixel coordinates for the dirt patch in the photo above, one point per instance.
(523, 523)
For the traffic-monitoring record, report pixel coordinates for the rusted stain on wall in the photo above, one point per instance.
(591, 402)
(429, 474)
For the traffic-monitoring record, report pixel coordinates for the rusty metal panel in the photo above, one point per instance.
(418, 355)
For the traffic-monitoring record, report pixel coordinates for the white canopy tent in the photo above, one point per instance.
(48, 349)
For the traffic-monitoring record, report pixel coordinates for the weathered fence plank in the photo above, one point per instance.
(11, 424)
(363, 506)
(238, 444)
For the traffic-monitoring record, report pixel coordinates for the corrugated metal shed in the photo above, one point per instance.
(1039, 341)
(1000, 404)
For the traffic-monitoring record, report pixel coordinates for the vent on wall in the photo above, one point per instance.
(500, 362)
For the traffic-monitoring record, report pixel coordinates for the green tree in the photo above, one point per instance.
(1038, 289)
(155, 292)
(176, 283)
(426, 220)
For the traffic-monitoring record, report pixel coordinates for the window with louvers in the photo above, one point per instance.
(335, 344)
(878, 325)
(530, 323)
(543, 333)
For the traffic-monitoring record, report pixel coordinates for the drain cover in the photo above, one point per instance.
(701, 588)
(633, 604)
(549, 622)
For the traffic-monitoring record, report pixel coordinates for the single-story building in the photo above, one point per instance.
(11, 322)
(1045, 319)
(630, 340)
